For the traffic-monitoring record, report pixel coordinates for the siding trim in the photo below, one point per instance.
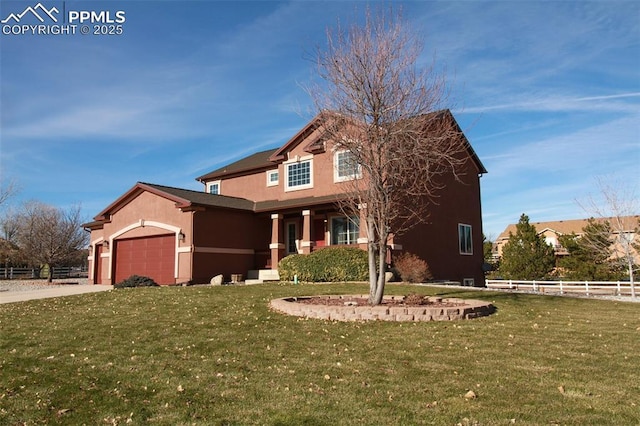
(223, 250)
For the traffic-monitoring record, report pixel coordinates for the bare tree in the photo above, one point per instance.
(8, 249)
(383, 109)
(617, 205)
(48, 235)
(7, 190)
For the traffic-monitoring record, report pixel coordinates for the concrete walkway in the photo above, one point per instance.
(57, 291)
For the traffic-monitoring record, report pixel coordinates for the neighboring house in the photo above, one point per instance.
(552, 231)
(257, 210)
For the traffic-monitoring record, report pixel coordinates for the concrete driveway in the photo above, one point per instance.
(12, 291)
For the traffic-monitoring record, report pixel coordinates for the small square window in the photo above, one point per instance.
(273, 177)
(464, 239)
(213, 188)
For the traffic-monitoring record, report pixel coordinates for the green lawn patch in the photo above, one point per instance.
(218, 356)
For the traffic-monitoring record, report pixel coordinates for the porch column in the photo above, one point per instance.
(277, 241)
(307, 225)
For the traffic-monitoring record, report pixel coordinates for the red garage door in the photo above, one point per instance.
(152, 257)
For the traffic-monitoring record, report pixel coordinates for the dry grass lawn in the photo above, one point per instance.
(218, 356)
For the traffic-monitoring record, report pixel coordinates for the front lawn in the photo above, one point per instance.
(217, 355)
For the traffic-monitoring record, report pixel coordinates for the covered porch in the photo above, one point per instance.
(304, 230)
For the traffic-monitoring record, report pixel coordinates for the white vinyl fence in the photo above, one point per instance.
(588, 288)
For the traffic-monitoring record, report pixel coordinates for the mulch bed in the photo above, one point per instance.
(361, 301)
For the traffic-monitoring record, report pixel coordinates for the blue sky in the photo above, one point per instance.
(548, 93)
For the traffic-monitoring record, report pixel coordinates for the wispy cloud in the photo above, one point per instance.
(555, 104)
(550, 90)
(544, 177)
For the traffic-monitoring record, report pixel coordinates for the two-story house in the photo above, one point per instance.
(257, 210)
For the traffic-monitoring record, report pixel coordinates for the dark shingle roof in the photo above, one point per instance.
(274, 205)
(186, 198)
(191, 197)
(255, 161)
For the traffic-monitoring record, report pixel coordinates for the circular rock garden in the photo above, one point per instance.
(392, 308)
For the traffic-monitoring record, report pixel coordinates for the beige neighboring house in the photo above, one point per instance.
(552, 231)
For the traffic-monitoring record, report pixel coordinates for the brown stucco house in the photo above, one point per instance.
(257, 210)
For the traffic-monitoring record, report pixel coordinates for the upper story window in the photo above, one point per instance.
(345, 167)
(273, 177)
(464, 239)
(213, 187)
(299, 175)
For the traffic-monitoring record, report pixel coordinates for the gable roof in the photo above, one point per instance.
(314, 145)
(447, 114)
(270, 158)
(183, 199)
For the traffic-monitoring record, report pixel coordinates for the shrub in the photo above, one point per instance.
(412, 269)
(415, 299)
(331, 264)
(293, 265)
(136, 281)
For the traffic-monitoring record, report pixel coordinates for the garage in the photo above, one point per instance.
(152, 257)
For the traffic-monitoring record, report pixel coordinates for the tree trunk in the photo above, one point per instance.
(377, 278)
(50, 275)
(631, 283)
(372, 262)
(382, 255)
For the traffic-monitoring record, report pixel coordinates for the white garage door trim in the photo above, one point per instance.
(141, 224)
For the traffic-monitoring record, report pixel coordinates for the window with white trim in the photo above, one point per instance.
(213, 187)
(345, 166)
(273, 177)
(299, 175)
(464, 239)
(468, 282)
(344, 230)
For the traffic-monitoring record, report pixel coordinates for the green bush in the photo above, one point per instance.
(331, 264)
(136, 281)
(292, 265)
